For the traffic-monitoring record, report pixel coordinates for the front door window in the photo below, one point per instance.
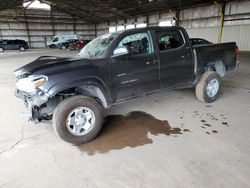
(138, 43)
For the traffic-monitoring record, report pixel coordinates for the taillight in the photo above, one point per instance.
(237, 50)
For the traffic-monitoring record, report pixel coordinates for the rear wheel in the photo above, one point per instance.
(22, 49)
(1, 49)
(78, 119)
(208, 88)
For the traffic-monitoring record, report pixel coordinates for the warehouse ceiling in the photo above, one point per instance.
(107, 10)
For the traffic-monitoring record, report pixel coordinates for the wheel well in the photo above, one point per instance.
(217, 66)
(86, 90)
(94, 92)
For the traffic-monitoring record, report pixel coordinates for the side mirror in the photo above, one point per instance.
(123, 50)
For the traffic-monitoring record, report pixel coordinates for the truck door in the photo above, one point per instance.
(176, 58)
(137, 72)
(10, 45)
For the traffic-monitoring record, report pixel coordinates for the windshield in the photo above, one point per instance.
(97, 47)
(55, 39)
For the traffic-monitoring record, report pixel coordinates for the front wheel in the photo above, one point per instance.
(208, 88)
(52, 46)
(1, 49)
(78, 119)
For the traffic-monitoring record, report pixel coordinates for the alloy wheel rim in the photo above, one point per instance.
(212, 87)
(80, 121)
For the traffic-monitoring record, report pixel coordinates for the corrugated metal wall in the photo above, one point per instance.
(40, 25)
(239, 34)
(202, 22)
(210, 34)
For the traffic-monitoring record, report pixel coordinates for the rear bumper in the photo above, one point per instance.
(233, 68)
(237, 65)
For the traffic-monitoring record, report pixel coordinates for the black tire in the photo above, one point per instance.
(52, 46)
(64, 47)
(63, 110)
(21, 48)
(1, 49)
(201, 87)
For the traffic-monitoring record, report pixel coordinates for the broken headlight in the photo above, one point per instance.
(31, 83)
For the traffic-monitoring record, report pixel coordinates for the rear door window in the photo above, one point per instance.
(193, 41)
(21, 42)
(201, 41)
(10, 42)
(168, 40)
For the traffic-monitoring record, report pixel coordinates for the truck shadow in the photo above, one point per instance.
(127, 131)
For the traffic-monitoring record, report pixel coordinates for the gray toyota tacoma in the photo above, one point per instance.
(117, 67)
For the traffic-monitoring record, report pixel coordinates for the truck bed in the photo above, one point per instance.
(208, 55)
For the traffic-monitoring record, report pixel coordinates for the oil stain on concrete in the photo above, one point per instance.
(128, 131)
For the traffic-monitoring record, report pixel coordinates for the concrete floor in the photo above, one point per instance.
(134, 150)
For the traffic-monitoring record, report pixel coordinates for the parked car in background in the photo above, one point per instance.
(197, 41)
(77, 45)
(66, 44)
(57, 39)
(13, 45)
(1, 41)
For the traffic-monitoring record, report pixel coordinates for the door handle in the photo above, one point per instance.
(154, 61)
(186, 55)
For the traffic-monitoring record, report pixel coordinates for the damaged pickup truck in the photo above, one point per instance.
(117, 67)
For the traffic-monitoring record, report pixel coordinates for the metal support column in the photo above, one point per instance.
(27, 27)
(52, 21)
(177, 16)
(147, 20)
(74, 25)
(222, 13)
(95, 30)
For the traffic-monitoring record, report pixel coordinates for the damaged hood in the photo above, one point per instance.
(41, 62)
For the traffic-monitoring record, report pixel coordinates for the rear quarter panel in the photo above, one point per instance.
(211, 53)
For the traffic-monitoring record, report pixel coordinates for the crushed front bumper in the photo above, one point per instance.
(22, 95)
(32, 103)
